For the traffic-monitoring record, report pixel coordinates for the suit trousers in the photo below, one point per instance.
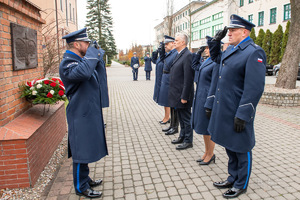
(239, 168)
(148, 73)
(135, 74)
(186, 131)
(174, 118)
(81, 177)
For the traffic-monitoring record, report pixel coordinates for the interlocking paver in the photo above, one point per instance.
(143, 164)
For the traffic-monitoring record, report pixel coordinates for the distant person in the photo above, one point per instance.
(135, 64)
(241, 82)
(148, 66)
(79, 71)
(181, 91)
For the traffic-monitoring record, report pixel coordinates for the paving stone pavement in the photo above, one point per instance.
(143, 164)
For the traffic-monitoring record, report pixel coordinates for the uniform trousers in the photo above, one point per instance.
(148, 75)
(81, 177)
(239, 168)
(186, 131)
(135, 74)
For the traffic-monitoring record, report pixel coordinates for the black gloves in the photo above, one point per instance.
(220, 34)
(94, 44)
(154, 55)
(200, 50)
(161, 49)
(208, 112)
(239, 125)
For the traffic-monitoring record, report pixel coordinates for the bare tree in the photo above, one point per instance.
(289, 66)
(169, 17)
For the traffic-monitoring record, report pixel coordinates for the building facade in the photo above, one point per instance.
(213, 16)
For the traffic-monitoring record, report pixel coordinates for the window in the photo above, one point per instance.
(185, 25)
(204, 21)
(216, 28)
(250, 1)
(287, 11)
(273, 16)
(195, 35)
(261, 18)
(250, 18)
(61, 5)
(241, 3)
(204, 32)
(67, 22)
(70, 11)
(217, 16)
(74, 14)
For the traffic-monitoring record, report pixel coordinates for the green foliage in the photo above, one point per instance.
(99, 24)
(285, 39)
(266, 44)
(276, 46)
(43, 91)
(252, 34)
(260, 37)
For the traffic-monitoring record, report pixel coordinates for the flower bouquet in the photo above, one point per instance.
(44, 91)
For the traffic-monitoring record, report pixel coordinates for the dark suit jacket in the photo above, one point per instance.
(181, 80)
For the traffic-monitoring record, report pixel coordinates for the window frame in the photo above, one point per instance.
(284, 12)
(259, 18)
(273, 15)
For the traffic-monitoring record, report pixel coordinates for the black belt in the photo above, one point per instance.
(166, 72)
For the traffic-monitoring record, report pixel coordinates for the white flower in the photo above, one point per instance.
(32, 88)
(52, 92)
(39, 86)
(64, 96)
(34, 92)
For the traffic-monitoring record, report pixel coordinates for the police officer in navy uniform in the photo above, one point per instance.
(240, 85)
(207, 72)
(86, 140)
(148, 66)
(163, 99)
(135, 64)
(201, 60)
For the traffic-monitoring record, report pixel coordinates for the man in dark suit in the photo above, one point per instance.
(86, 134)
(181, 90)
(241, 82)
(135, 64)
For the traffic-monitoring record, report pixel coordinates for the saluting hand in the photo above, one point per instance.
(239, 125)
(183, 101)
(220, 34)
(200, 50)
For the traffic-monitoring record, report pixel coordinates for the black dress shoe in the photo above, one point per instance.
(199, 160)
(90, 193)
(177, 141)
(233, 193)
(223, 184)
(162, 122)
(95, 182)
(184, 146)
(213, 159)
(172, 131)
(166, 129)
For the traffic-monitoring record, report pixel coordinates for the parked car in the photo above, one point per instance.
(277, 67)
(269, 69)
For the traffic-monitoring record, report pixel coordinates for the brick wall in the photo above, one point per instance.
(281, 99)
(27, 144)
(25, 14)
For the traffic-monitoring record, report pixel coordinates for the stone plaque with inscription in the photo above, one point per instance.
(24, 47)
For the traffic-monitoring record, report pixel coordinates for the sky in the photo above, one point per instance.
(133, 20)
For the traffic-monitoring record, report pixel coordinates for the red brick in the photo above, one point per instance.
(14, 152)
(8, 167)
(16, 171)
(8, 177)
(5, 35)
(22, 166)
(5, 22)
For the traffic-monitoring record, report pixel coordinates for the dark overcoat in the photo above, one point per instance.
(196, 65)
(134, 60)
(240, 85)
(87, 142)
(148, 64)
(181, 80)
(158, 74)
(101, 69)
(206, 72)
(163, 99)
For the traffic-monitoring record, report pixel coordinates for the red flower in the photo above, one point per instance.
(61, 92)
(29, 84)
(46, 82)
(53, 84)
(49, 95)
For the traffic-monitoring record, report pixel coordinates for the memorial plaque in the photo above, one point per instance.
(24, 47)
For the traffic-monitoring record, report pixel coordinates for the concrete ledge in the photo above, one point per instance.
(280, 99)
(28, 142)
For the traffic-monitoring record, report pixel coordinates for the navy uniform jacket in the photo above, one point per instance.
(87, 141)
(134, 60)
(196, 65)
(101, 69)
(163, 99)
(158, 74)
(148, 65)
(206, 73)
(240, 85)
(181, 80)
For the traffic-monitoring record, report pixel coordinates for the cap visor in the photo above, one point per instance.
(235, 26)
(83, 39)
